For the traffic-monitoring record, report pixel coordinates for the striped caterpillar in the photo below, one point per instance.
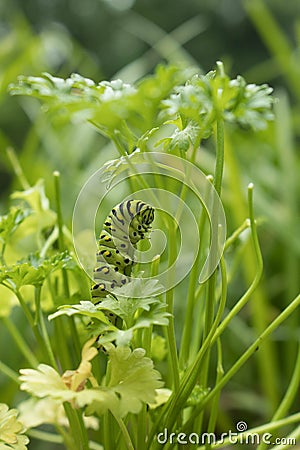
(124, 227)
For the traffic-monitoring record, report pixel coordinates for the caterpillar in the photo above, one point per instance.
(127, 223)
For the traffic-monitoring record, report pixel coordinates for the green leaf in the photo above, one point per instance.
(203, 98)
(41, 216)
(85, 308)
(133, 378)
(182, 139)
(149, 288)
(126, 303)
(35, 197)
(119, 110)
(33, 270)
(113, 167)
(10, 222)
(105, 104)
(133, 381)
(153, 314)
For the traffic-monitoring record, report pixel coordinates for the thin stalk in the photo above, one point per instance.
(61, 246)
(199, 313)
(46, 437)
(275, 40)
(2, 259)
(78, 430)
(259, 268)
(291, 392)
(126, 436)
(236, 234)
(60, 335)
(209, 315)
(95, 446)
(29, 317)
(289, 396)
(219, 166)
(61, 243)
(211, 291)
(249, 352)
(289, 193)
(191, 300)
(9, 372)
(259, 264)
(215, 403)
(19, 340)
(188, 382)
(260, 430)
(147, 333)
(290, 440)
(173, 356)
(63, 438)
(147, 337)
(108, 431)
(17, 168)
(25, 308)
(123, 153)
(46, 340)
(177, 400)
(259, 306)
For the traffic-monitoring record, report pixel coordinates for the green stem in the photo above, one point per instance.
(259, 268)
(9, 372)
(2, 259)
(78, 430)
(177, 401)
(46, 437)
(61, 246)
(107, 431)
(17, 168)
(218, 175)
(260, 307)
(19, 340)
(173, 356)
(234, 311)
(25, 308)
(185, 346)
(289, 396)
(29, 317)
(249, 352)
(147, 333)
(275, 40)
(235, 235)
(211, 296)
(215, 403)
(46, 340)
(61, 243)
(53, 438)
(290, 440)
(291, 392)
(188, 381)
(127, 438)
(260, 430)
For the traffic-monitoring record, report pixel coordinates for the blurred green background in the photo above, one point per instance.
(106, 39)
